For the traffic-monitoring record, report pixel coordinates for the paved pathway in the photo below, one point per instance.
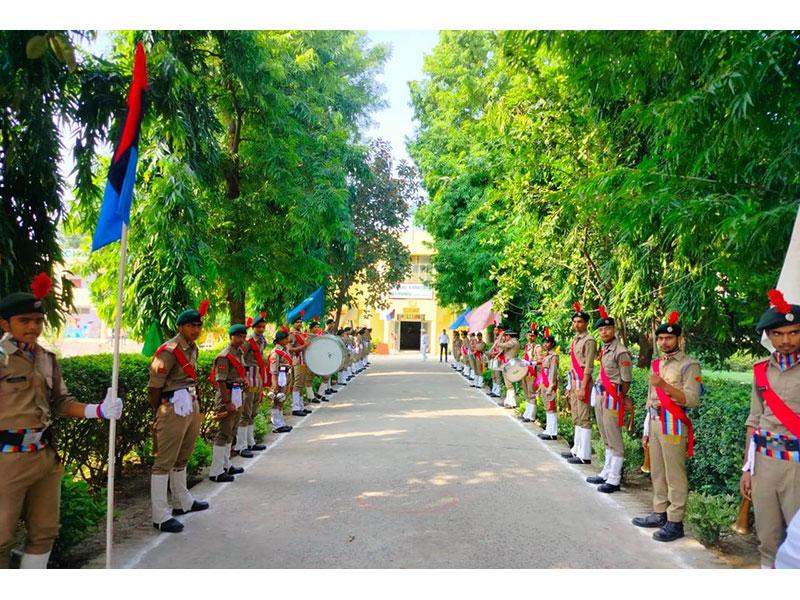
(410, 467)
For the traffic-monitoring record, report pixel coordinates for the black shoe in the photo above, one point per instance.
(567, 455)
(545, 436)
(234, 470)
(652, 520)
(315, 400)
(669, 532)
(246, 453)
(342, 383)
(608, 488)
(282, 429)
(299, 413)
(324, 399)
(525, 419)
(257, 447)
(578, 461)
(222, 478)
(308, 412)
(197, 505)
(595, 479)
(169, 526)
(331, 391)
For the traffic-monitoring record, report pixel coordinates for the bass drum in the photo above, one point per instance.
(515, 369)
(325, 355)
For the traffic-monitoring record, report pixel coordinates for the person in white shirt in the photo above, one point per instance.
(423, 345)
(444, 340)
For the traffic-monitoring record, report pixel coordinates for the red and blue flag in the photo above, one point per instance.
(116, 207)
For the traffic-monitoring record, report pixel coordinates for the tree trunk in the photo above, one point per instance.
(236, 310)
(341, 293)
(645, 351)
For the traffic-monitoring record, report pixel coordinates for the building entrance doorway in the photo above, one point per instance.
(410, 335)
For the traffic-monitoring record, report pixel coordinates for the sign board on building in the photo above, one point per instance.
(412, 290)
(411, 317)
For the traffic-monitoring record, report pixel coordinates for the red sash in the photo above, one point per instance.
(259, 358)
(611, 390)
(677, 412)
(300, 353)
(576, 366)
(284, 355)
(182, 361)
(236, 365)
(782, 412)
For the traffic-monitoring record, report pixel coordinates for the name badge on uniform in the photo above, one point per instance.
(236, 395)
(32, 438)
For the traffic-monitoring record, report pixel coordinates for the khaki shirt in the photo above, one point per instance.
(330, 329)
(250, 359)
(510, 349)
(683, 372)
(224, 372)
(457, 344)
(550, 362)
(276, 361)
(786, 384)
(299, 355)
(617, 362)
(585, 351)
(480, 347)
(166, 373)
(31, 391)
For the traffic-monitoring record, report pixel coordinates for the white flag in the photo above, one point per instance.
(789, 280)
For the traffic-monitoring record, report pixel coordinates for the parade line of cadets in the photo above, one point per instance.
(771, 469)
(33, 392)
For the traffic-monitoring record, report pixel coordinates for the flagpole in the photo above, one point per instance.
(112, 429)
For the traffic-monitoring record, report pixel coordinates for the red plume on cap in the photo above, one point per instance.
(203, 310)
(779, 302)
(284, 328)
(302, 313)
(577, 307)
(316, 317)
(673, 317)
(263, 314)
(603, 313)
(533, 327)
(248, 322)
(546, 332)
(41, 285)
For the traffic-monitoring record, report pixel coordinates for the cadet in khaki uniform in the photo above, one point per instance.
(497, 376)
(472, 340)
(509, 346)
(173, 395)
(478, 351)
(771, 473)
(675, 384)
(230, 377)
(280, 368)
(330, 329)
(368, 348)
(611, 402)
(548, 386)
(298, 341)
(465, 349)
(256, 366)
(32, 392)
(456, 345)
(533, 356)
(315, 329)
(579, 384)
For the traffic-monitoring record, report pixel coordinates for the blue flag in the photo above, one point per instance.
(461, 321)
(313, 306)
(116, 207)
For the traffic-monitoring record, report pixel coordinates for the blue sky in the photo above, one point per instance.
(408, 49)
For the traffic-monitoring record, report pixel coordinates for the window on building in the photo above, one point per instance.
(420, 269)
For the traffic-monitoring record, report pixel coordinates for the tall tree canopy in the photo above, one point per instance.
(649, 171)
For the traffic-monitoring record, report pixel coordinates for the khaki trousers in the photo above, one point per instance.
(776, 499)
(250, 403)
(31, 491)
(302, 377)
(174, 438)
(497, 377)
(529, 388)
(668, 472)
(608, 424)
(228, 425)
(580, 410)
(548, 400)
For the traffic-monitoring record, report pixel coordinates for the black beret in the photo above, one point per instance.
(773, 318)
(607, 322)
(189, 316)
(280, 335)
(667, 329)
(238, 328)
(20, 303)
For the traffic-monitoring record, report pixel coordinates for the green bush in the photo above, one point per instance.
(201, 457)
(710, 515)
(260, 426)
(81, 512)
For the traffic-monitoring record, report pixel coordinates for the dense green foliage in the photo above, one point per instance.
(648, 171)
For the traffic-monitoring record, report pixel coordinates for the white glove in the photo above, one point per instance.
(182, 403)
(111, 408)
(236, 397)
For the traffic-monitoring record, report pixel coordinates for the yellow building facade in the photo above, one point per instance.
(412, 306)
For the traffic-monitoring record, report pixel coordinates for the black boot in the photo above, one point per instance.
(169, 526)
(578, 461)
(197, 505)
(234, 470)
(246, 453)
(608, 488)
(257, 447)
(567, 455)
(222, 477)
(671, 531)
(652, 520)
(595, 479)
(546, 436)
